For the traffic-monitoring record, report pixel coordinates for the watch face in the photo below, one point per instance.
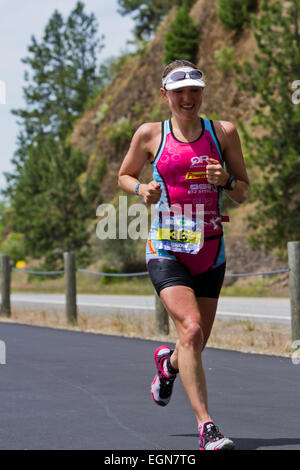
(233, 182)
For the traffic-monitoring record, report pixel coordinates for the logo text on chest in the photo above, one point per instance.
(195, 175)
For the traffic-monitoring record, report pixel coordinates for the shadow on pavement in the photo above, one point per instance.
(257, 444)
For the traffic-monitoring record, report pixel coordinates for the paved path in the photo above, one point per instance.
(72, 390)
(275, 310)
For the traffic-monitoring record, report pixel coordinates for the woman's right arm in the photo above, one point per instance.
(133, 163)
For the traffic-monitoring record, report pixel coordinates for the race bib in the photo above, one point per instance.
(180, 232)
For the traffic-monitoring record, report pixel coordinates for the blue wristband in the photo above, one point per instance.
(137, 188)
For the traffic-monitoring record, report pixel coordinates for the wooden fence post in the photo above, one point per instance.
(161, 317)
(5, 285)
(294, 265)
(70, 287)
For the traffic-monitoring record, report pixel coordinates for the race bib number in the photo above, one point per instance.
(180, 232)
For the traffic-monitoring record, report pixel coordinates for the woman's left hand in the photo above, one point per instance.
(215, 173)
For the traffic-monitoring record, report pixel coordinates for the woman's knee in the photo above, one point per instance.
(192, 335)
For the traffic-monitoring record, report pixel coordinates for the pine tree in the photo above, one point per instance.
(63, 74)
(234, 14)
(149, 14)
(182, 38)
(45, 198)
(48, 207)
(275, 153)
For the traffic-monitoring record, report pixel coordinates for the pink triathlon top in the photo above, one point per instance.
(180, 169)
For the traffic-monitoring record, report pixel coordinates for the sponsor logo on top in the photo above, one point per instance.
(198, 188)
(195, 175)
(199, 160)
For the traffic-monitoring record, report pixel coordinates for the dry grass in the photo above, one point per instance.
(241, 336)
(251, 337)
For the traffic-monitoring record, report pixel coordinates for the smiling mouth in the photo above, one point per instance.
(188, 107)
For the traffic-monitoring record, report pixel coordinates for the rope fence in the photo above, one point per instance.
(279, 271)
(144, 273)
(161, 316)
(44, 273)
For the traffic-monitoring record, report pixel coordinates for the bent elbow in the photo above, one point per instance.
(244, 195)
(241, 200)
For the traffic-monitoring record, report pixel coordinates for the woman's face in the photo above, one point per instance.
(184, 102)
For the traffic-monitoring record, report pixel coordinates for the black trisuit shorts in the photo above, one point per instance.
(166, 273)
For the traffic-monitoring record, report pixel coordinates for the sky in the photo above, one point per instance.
(19, 20)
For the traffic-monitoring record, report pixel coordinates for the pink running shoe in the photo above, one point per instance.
(162, 385)
(210, 438)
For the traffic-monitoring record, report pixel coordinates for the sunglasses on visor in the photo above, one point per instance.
(181, 75)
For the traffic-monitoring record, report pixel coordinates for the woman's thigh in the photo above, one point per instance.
(182, 306)
(184, 296)
(186, 309)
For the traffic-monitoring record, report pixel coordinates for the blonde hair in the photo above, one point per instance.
(177, 63)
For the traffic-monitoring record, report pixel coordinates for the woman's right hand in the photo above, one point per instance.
(150, 192)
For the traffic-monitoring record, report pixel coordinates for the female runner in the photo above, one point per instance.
(185, 254)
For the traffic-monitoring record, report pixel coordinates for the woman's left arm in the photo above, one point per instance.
(235, 165)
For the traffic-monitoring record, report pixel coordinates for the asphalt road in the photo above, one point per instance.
(257, 309)
(72, 390)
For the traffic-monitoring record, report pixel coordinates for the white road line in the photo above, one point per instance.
(253, 315)
(36, 301)
(139, 307)
(255, 299)
(82, 304)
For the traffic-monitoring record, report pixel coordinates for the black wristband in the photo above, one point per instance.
(230, 185)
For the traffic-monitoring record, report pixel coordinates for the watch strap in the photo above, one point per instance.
(228, 185)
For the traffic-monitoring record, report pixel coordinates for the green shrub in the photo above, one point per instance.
(212, 116)
(92, 181)
(101, 113)
(225, 58)
(14, 246)
(110, 279)
(157, 113)
(181, 40)
(234, 14)
(137, 109)
(120, 133)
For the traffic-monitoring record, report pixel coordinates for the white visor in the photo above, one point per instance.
(170, 84)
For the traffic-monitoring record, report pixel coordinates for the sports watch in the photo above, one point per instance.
(231, 183)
